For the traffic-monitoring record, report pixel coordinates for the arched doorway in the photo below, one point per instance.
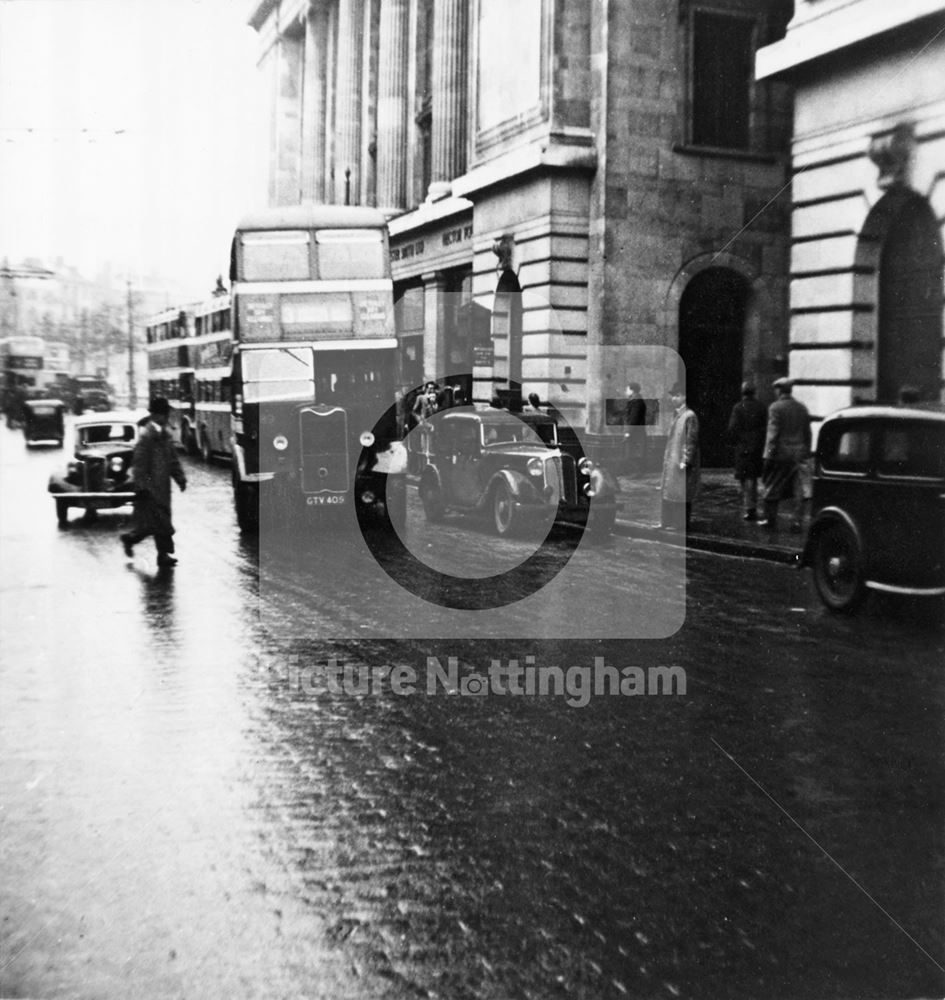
(711, 325)
(507, 339)
(909, 336)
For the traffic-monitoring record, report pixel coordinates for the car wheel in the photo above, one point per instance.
(62, 513)
(838, 568)
(431, 496)
(246, 502)
(504, 512)
(205, 450)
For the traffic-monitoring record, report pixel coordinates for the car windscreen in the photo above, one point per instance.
(103, 433)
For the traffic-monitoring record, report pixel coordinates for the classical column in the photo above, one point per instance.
(314, 94)
(449, 94)
(392, 105)
(348, 103)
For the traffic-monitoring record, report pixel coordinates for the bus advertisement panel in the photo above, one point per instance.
(314, 365)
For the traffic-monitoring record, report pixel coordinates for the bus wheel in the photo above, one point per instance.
(62, 513)
(246, 501)
(205, 450)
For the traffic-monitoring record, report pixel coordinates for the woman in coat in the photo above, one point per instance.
(681, 463)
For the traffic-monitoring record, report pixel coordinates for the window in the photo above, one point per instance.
(350, 253)
(721, 77)
(913, 450)
(849, 452)
(274, 256)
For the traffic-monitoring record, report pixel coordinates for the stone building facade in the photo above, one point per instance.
(566, 181)
(868, 200)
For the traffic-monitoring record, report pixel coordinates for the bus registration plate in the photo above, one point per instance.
(320, 501)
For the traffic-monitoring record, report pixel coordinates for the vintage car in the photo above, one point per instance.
(878, 504)
(490, 461)
(99, 475)
(44, 422)
(91, 400)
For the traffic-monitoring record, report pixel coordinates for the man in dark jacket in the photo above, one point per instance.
(746, 428)
(154, 465)
(787, 445)
(634, 436)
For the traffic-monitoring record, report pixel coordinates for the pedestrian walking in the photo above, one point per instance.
(154, 465)
(747, 427)
(634, 435)
(787, 447)
(681, 464)
(533, 405)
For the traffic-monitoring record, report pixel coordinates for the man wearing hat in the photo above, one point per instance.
(154, 465)
(787, 445)
(746, 428)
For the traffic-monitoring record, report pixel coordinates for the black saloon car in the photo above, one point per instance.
(491, 461)
(99, 475)
(878, 505)
(44, 422)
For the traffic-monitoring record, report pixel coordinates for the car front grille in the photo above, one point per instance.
(561, 476)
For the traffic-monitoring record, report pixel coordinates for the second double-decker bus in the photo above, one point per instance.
(313, 374)
(21, 359)
(208, 430)
(170, 369)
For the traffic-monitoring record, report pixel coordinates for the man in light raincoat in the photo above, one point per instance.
(681, 464)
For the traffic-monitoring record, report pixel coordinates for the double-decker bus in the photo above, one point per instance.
(170, 369)
(313, 374)
(21, 359)
(208, 430)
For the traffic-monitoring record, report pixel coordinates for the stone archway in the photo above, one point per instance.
(712, 313)
(909, 326)
(507, 339)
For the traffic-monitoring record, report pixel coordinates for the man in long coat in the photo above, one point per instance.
(634, 437)
(787, 445)
(154, 465)
(747, 427)
(681, 464)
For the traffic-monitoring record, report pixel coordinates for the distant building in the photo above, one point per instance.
(561, 176)
(868, 201)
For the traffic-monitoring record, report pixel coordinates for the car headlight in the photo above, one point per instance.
(536, 467)
(280, 442)
(366, 439)
(116, 464)
(586, 466)
(367, 497)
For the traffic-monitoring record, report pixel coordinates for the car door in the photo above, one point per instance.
(909, 500)
(466, 471)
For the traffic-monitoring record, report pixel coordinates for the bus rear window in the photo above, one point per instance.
(275, 256)
(350, 253)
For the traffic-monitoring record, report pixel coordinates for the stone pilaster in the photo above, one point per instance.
(392, 105)
(449, 94)
(434, 339)
(347, 166)
(314, 93)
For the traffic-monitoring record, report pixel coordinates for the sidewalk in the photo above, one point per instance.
(717, 524)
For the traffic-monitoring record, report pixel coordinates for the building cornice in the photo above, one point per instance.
(428, 214)
(815, 36)
(576, 153)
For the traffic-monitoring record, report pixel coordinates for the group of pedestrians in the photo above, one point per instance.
(772, 446)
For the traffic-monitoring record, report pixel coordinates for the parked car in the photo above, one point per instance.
(91, 400)
(99, 475)
(514, 470)
(44, 421)
(878, 504)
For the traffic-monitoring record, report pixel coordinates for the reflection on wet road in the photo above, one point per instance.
(192, 807)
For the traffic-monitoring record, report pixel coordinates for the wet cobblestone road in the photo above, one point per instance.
(190, 809)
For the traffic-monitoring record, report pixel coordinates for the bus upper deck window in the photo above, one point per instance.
(350, 253)
(275, 256)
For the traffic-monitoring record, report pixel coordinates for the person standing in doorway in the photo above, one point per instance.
(681, 464)
(634, 435)
(746, 428)
(787, 445)
(154, 465)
